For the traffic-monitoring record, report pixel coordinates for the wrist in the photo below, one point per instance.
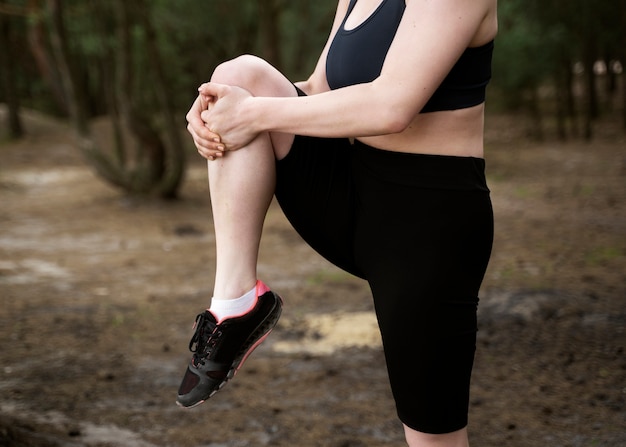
(254, 114)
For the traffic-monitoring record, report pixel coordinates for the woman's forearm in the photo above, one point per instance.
(354, 111)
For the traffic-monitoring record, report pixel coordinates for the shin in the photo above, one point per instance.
(242, 182)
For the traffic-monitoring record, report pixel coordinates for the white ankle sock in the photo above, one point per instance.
(225, 308)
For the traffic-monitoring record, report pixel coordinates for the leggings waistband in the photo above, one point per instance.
(421, 170)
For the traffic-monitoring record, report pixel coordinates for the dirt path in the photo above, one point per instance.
(98, 294)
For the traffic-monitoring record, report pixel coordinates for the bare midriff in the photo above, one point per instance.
(451, 132)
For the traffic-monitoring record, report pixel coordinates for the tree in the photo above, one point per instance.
(8, 74)
(139, 63)
(157, 163)
(539, 44)
(621, 55)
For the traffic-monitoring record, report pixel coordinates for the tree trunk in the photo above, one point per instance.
(623, 59)
(58, 40)
(37, 42)
(561, 108)
(7, 72)
(591, 106)
(571, 99)
(86, 144)
(174, 160)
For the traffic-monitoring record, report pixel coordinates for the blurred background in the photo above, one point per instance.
(106, 244)
(139, 63)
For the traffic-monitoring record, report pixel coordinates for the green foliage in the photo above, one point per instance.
(528, 51)
(541, 42)
(536, 36)
(538, 43)
(602, 255)
(193, 38)
(305, 28)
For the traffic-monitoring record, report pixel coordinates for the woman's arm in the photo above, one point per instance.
(208, 142)
(431, 37)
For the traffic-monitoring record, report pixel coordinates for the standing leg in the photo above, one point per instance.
(418, 439)
(425, 271)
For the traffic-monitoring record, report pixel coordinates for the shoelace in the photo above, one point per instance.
(204, 338)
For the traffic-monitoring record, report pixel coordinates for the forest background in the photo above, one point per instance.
(106, 242)
(139, 64)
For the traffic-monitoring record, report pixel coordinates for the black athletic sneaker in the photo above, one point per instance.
(221, 348)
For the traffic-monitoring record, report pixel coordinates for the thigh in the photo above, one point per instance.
(315, 190)
(423, 242)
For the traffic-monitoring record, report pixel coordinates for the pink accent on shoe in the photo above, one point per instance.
(261, 288)
(247, 354)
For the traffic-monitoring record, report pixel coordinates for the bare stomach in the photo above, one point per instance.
(453, 132)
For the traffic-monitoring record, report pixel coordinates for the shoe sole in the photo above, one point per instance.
(265, 328)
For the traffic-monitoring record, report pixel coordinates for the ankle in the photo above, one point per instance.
(229, 308)
(233, 289)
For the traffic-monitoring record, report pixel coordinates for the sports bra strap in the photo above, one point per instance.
(350, 8)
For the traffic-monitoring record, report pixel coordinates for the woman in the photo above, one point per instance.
(377, 161)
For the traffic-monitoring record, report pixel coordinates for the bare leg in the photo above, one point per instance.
(242, 182)
(418, 439)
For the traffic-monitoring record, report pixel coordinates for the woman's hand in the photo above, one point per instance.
(226, 115)
(207, 142)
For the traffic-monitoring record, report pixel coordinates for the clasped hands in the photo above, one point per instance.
(217, 122)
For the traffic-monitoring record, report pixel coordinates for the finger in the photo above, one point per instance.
(211, 125)
(213, 89)
(193, 116)
(209, 135)
(200, 130)
(203, 144)
(199, 137)
(209, 155)
(205, 101)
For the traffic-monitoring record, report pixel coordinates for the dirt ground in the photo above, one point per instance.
(98, 294)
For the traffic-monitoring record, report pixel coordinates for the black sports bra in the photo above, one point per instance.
(356, 56)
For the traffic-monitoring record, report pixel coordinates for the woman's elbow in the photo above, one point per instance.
(396, 119)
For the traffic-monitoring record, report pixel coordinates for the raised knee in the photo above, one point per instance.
(243, 71)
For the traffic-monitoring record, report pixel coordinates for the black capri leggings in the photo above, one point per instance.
(419, 229)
